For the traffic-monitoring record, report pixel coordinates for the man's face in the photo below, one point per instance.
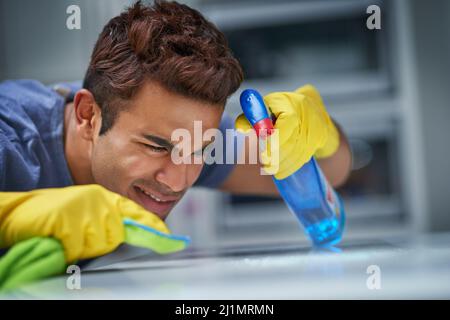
(133, 158)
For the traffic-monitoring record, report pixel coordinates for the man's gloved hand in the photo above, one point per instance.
(305, 129)
(88, 220)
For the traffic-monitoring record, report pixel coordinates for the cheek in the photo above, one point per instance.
(134, 163)
(139, 166)
(114, 163)
(102, 166)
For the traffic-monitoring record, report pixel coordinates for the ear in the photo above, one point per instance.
(87, 114)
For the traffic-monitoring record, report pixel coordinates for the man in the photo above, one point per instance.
(154, 69)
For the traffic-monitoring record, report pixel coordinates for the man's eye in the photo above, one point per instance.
(155, 148)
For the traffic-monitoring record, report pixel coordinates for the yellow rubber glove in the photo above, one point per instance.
(305, 129)
(88, 220)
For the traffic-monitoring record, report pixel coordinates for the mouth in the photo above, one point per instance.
(154, 202)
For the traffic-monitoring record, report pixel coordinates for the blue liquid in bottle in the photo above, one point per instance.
(306, 192)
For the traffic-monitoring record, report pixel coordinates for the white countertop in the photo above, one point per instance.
(409, 268)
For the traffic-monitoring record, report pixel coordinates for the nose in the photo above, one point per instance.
(174, 176)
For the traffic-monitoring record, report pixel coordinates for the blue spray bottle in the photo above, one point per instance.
(306, 192)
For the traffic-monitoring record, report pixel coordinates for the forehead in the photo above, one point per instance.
(160, 111)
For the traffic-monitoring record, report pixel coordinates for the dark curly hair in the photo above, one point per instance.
(166, 42)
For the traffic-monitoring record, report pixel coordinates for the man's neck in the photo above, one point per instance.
(76, 150)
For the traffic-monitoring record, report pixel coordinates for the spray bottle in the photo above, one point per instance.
(307, 193)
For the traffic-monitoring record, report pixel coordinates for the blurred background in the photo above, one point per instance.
(388, 89)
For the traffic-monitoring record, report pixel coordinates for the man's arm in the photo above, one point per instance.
(247, 178)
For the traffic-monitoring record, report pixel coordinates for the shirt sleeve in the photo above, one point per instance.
(31, 137)
(15, 173)
(214, 174)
